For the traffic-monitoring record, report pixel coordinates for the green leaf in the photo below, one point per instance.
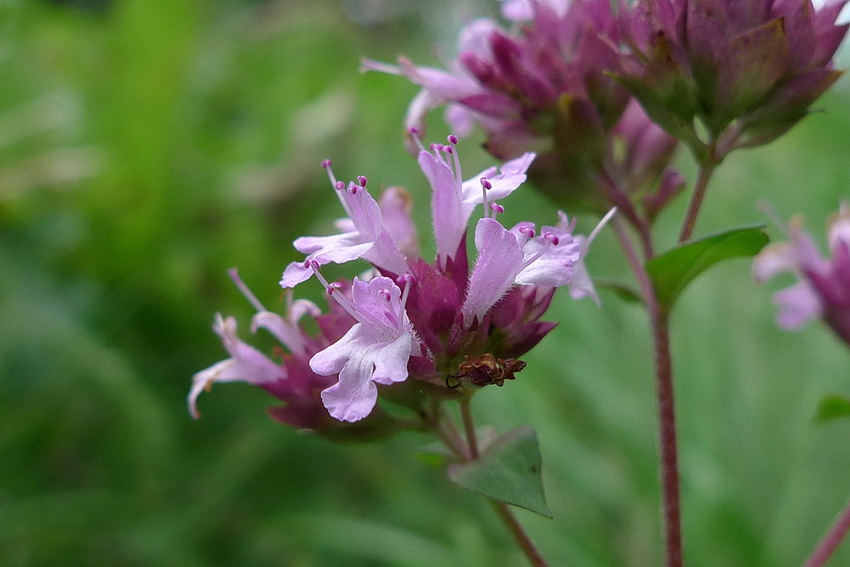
(672, 271)
(832, 407)
(507, 471)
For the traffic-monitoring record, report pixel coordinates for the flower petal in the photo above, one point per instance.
(499, 261)
(449, 216)
(797, 304)
(354, 396)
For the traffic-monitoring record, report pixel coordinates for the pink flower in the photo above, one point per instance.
(823, 289)
(544, 85)
(417, 319)
(374, 351)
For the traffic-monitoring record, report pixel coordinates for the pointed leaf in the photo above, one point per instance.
(672, 271)
(508, 471)
(832, 407)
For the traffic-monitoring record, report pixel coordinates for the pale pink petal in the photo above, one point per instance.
(508, 178)
(448, 215)
(376, 349)
(288, 334)
(294, 274)
(549, 264)
(581, 285)
(798, 305)
(354, 396)
(395, 205)
(391, 360)
(246, 364)
(499, 261)
(774, 259)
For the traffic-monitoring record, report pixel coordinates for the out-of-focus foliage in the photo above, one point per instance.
(146, 147)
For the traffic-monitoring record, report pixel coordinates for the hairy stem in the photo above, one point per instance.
(831, 540)
(469, 426)
(666, 403)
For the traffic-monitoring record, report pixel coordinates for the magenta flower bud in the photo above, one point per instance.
(748, 71)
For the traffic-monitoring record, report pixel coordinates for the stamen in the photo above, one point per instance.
(339, 185)
(405, 280)
(452, 139)
(252, 299)
(587, 241)
(327, 165)
(387, 295)
(361, 179)
(458, 177)
(497, 208)
(528, 231)
(552, 237)
(485, 185)
(414, 133)
(344, 301)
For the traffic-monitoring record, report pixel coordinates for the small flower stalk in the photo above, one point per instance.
(823, 289)
(747, 71)
(442, 329)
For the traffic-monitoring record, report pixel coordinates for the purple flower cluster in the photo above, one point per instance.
(451, 329)
(545, 85)
(748, 70)
(824, 287)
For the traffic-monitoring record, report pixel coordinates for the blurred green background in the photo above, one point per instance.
(147, 146)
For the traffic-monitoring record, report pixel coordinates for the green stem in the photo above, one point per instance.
(469, 426)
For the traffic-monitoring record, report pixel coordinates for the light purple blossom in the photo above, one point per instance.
(453, 200)
(516, 256)
(444, 312)
(246, 364)
(407, 318)
(363, 236)
(823, 289)
(374, 351)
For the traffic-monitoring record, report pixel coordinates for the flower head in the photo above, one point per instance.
(544, 85)
(747, 70)
(421, 320)
(823, 289)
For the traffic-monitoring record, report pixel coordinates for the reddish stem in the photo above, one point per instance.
(831, 540)
(705, 172)
(471, 452)
(666, 403)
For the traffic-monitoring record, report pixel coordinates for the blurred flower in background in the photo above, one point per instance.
(823, 290)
